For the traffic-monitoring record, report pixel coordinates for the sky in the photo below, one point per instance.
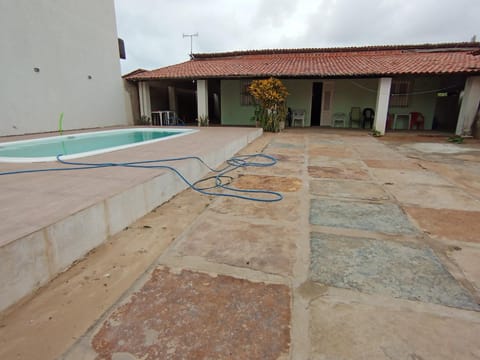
(153, 29)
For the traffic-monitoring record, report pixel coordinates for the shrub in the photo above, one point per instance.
(270, 96)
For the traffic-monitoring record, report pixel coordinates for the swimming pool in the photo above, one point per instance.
(73, 146)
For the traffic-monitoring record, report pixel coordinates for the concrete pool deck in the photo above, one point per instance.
(373, 254)
(51, 219)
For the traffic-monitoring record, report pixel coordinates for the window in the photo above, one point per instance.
(245, 98)
(400, 93)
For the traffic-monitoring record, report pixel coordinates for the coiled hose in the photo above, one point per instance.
(221, 179)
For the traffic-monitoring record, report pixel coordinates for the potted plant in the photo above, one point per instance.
(270, 96)
(203, 120)
(257, 116)
(144, 120)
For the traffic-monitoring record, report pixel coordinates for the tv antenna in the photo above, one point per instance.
(191, 36)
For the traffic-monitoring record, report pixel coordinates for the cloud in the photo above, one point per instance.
(342, 22)
(153, 30)
(273, 15)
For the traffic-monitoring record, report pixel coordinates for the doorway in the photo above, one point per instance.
(447, 108)
(317, 89)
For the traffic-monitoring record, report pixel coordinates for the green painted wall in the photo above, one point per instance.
(348, 93)
(363, 93)
(235, 114)
(300, 96)
(232, 112)
(423, 100)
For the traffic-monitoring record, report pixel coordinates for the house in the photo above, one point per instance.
(59, 57)
(440, 81)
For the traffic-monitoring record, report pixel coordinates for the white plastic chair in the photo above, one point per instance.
(298, 115)
(339, 118)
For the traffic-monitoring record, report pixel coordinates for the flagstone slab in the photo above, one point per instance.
(333, 172)
(375, 217)
(245, 243)
(348, 189)
(348, 330)
(435, 197)
(385, 267)
(448, 224)
(196, 316)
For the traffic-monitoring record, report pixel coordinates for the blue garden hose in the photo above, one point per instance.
(221, 179)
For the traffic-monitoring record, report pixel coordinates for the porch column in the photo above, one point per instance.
(381, 109)
(144, 99)
(172, 99)
(469, 107)
(202, 98)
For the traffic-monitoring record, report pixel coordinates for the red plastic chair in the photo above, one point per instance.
(417, 120)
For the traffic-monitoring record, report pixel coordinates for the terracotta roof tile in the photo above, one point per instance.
(327, 63)
(134, 72)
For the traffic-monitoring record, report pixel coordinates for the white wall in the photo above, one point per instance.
(68, 40)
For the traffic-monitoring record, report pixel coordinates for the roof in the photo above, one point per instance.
(134, 72)
(368, 61)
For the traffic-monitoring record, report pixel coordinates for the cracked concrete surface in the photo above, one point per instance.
(372, 254)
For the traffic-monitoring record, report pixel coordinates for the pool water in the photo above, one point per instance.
(82, 144)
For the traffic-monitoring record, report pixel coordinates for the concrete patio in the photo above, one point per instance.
(53, 218)
(372, 254)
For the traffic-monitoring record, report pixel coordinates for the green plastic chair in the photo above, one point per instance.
(355, 116)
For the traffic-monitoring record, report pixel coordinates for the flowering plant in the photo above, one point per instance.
(270, 96)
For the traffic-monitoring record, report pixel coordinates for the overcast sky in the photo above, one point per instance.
(153, 29)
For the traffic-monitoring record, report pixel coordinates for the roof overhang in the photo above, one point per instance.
(331, 63)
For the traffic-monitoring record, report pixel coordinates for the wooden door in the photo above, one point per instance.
(327, 101)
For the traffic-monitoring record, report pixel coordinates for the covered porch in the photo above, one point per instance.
(387, 88)
(187, 100)
(444, 103)
(344, 102)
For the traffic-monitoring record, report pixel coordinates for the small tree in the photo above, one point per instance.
(270, 96)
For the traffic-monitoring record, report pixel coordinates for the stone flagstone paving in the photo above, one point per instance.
(384, 217)
(166, 318)
(364, 258)
(385, 267)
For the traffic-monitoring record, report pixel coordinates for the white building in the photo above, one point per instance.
(59, 57)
